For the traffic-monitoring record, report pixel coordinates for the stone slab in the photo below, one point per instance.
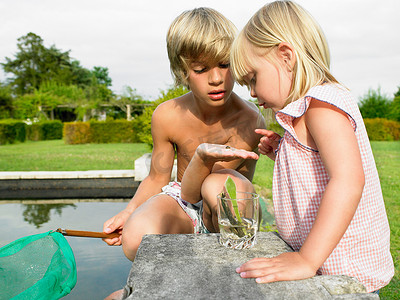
(68, 174)
(68, 188)
(181, 266)
(142, 167)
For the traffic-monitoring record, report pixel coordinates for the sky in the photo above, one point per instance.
(128, 37)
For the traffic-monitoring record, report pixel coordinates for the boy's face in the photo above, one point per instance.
(211, 82)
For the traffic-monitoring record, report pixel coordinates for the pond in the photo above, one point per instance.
(101, 269)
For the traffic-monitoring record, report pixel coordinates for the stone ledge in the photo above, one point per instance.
(179, 266)
(67, 174)
(142, 167)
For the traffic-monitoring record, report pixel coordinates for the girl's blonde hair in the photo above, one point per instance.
(285, 21)
(201, 33)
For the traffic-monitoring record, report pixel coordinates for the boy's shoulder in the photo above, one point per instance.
(246, 109)
(173, 105)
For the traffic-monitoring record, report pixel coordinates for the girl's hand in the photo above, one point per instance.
(211, 153)
(287, 266)
(268, 143)
(115, 224)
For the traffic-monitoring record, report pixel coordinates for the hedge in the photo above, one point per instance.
(76, 132)
(118, 131)
(45, 130)
(382, 129)
(12, 131)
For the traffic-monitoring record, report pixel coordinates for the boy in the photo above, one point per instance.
(198, 44)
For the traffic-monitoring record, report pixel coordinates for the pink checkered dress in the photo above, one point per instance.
(299, 183)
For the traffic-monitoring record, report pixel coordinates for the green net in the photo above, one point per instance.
(40, 266)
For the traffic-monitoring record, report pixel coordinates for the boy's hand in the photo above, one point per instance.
(287, 266)
(211, 153)
(115, 224)
(268, 143)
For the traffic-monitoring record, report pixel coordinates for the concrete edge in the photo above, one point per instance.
(67, 174)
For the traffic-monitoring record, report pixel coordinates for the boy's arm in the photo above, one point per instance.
(342, 159)
(202, 163)
(160, 174)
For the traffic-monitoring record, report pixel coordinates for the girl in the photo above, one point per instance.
(326, 191)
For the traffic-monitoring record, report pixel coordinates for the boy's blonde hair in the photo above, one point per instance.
(201, 33)
(285, 21)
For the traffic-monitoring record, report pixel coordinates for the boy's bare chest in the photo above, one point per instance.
(192, 136)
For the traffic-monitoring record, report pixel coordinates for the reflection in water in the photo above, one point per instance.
(101, 269)
(39, 214)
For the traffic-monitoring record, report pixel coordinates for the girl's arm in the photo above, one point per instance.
(202, 164)
(329, 129)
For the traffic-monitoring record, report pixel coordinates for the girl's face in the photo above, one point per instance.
(269, 78)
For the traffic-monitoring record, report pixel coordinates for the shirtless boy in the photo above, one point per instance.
(198, 43)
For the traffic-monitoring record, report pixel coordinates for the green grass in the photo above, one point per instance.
(57, 156)
(387, 159)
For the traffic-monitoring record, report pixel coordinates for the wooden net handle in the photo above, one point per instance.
(92, 234)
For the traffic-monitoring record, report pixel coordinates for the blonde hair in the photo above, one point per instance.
(201, 33)
(285, 21)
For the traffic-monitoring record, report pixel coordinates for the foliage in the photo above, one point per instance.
(142, 124)
(397, 94)
(275, 127)
(52, 130)
(101, 75)
(12, 131)
(45, 130)
(382, 129)
(5, 102)
(374, 105)
(76, 133)
(118, 131)
(394, 112)
(43, 78)
(34, 63)
(130, 97)
(111, 131)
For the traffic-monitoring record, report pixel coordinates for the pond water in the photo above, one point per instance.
(101, 269)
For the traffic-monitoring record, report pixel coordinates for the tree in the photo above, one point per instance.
(5, 102)
(34, 64)
(101, 74)
(397, 94)
(394, 113)
(374, 105)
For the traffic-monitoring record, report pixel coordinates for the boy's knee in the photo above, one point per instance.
(215, 181)
(130, 242)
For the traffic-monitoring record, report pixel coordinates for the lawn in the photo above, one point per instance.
(57, 156)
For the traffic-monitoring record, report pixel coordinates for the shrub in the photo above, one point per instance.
(12, 131)
(34, 132)
(45, 130)
(379, 129)
(142, 124)
(76, 132)
(52, 130)
(374, 105)
(275, 127)
(118, 131)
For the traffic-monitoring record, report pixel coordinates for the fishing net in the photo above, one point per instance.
(40, 266)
